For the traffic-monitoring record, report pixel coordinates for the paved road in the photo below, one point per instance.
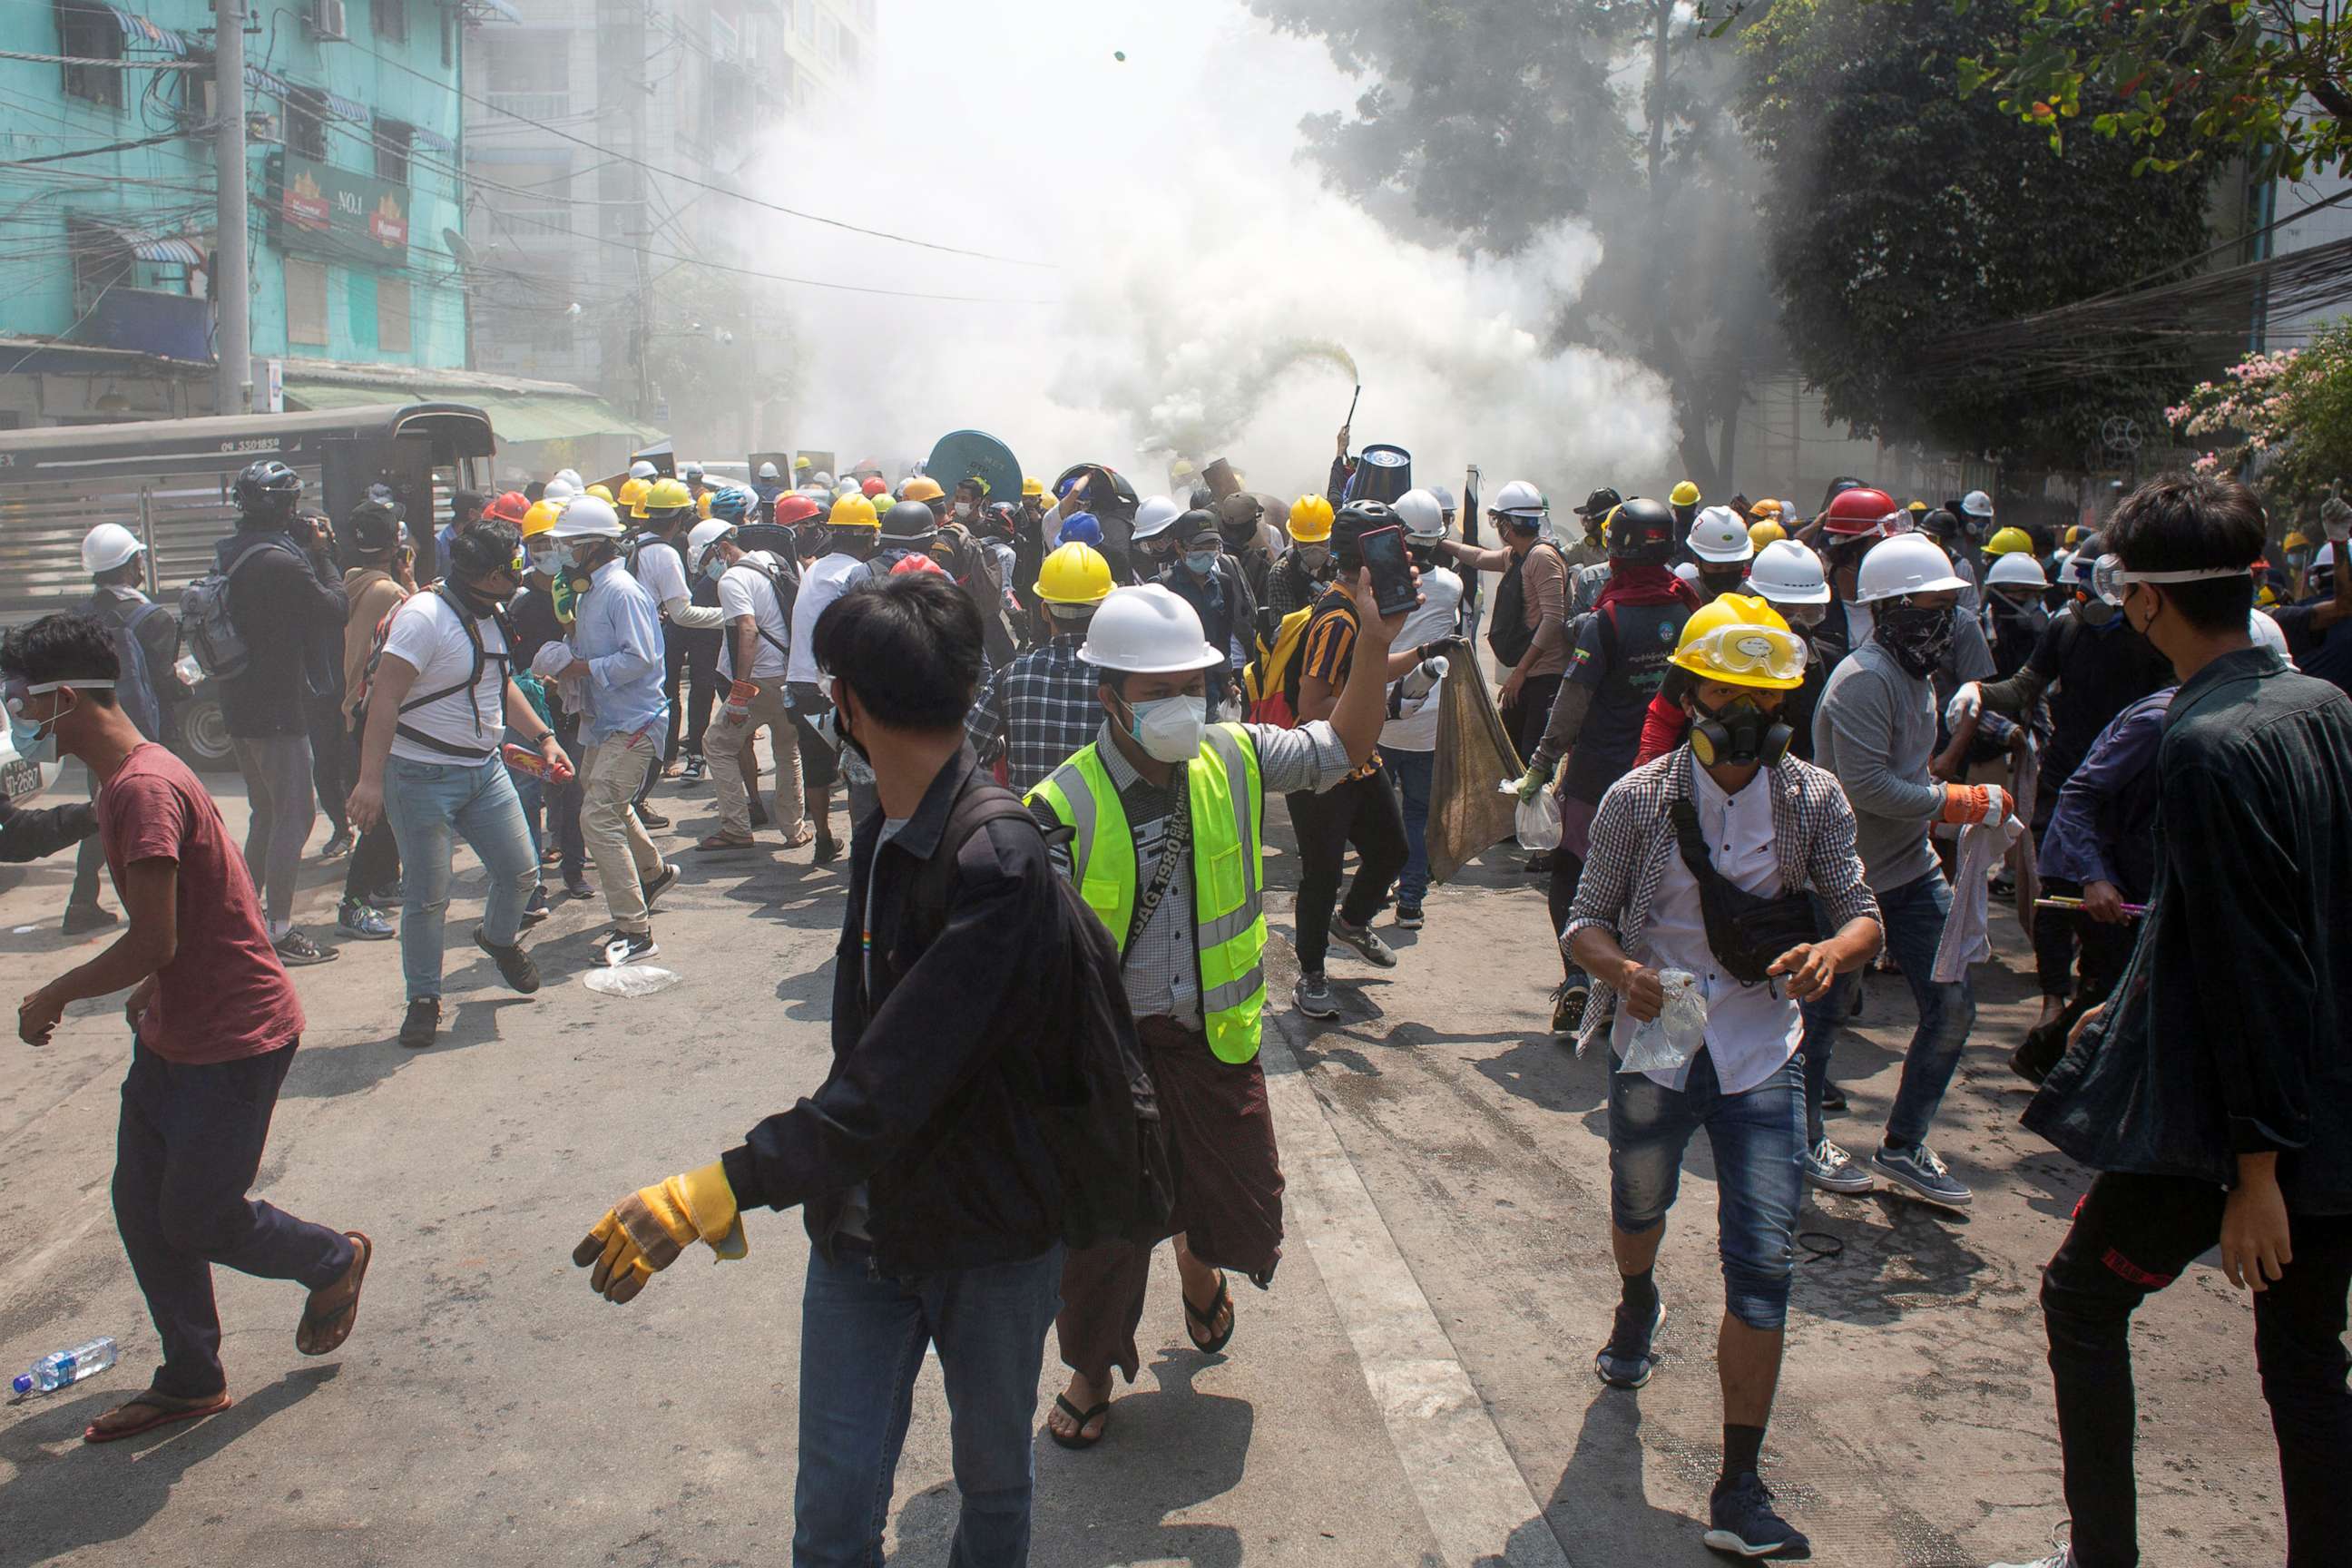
(1416, 1389)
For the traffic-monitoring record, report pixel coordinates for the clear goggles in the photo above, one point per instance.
(1746, 650)
(2109, 578)
(14, 690)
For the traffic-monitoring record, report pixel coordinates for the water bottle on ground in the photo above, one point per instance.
(55, 1372)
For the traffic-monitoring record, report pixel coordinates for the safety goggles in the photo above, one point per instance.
(1747, 650)
(2109, 578)
(14, 689)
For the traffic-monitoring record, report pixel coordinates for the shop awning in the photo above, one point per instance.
(516, 416)
(147, 246)
(139, 30)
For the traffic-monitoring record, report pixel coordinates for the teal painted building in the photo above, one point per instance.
(107, 210)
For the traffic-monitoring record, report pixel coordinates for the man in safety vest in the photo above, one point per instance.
(1161, 824)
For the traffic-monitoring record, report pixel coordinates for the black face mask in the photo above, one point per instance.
(1718, 584)
(1918, 639)
(1238, 537)
(1741, 733)
(479, 602)
(848, 740)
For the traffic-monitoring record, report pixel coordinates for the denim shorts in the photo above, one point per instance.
(1759, 1139)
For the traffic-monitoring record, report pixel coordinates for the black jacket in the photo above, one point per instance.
(290, 607)
(28, 834)
(2231, 1031)
(935, 1071)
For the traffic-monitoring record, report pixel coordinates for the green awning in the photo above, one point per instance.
(515, 416)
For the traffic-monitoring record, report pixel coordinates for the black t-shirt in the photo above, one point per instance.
(2326, 654)
(1621, 655)
(2096, 673)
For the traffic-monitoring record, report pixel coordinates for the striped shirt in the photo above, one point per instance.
(1330, 650)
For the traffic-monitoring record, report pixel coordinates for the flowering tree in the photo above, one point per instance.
(2283, 420)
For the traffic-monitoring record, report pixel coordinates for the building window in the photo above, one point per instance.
(305, 303)
(804, 12)
(829, 39)
(101, 262)
(91, 32)
(528, 74)
(392, 138)
(392, 329)
(306, 125)
(390, 19)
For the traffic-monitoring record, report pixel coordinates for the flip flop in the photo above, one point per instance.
(1078, 1438)
(315, 1319)
(1208, 1320)
(720, 843)
(167, 1410)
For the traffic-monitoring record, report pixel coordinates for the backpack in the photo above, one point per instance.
(220, 649)
(776, 585)
(1271, 679)
(973, 567)
(1097, 1110)
(1507, 632)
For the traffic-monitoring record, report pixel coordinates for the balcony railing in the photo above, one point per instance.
(532, 105)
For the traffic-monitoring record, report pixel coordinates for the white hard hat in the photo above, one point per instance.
(585, 516)
(1155, 517)
(1521, 499)
(1147, 631)
(572, 477)
(1785, 572)
(1976, 503)
(1718, 536)
(690, 470)
(822, 478)
(1422, 517)
(1445, 501)
(2322, 559)
(1907, 564)
(705, 534)
(641, 470)
(558, 488)
(1687, 572)
(767, 471)
(107, 546)
(2018, 569)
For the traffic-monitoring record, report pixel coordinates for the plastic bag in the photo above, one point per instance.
(1538, 819)
(630, 978)
(1667, 1042)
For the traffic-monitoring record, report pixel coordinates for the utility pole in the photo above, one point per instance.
(232, 287)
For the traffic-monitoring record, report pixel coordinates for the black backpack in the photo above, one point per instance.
(1096, 1106)
(1507, 632)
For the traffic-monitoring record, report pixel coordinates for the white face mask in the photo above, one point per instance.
(1169, 730)
(963, 510)
(714, 568)
(545, 562)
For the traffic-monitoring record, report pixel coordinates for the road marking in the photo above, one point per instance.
(1477, 1503)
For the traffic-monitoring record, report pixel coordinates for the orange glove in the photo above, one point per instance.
(1968, 805)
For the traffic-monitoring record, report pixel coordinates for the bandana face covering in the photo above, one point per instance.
(1917, 637)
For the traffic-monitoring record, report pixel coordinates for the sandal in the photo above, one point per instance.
(720, 843)
(167, 1409)
(1221, 1302)
(805, 837)
(313, 1335)
(1078, 1438)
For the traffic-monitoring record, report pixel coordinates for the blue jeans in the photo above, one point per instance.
(1414, 772)
(429, 804)
(862, 1338)
(1913, 915)
(1759, 1143)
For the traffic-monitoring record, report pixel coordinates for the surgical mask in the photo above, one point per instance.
(963, 510)
(1740, 733)
(1314, 556)
(565, 556)
(36, 740)
(1169, 729)
(714, 568)
(545, 562)
(1917, 637)
(1201, 562)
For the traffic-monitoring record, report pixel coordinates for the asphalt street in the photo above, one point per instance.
(1416, 1388)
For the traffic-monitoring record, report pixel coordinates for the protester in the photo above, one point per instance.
(1409, 738)
(1719, 544)
(539, 616)
(656, 557)
(382, 575)
(1298, 579)
(1162, 807)
(1527, 629)
(1590, 548)
(116, 562)
(755, 599)
(2212, 1095)
(1210, 581)
(214, 1022)
(852, 535)
(2318, 627)
(932, 1204)
(1038, 710)
(1731, 821)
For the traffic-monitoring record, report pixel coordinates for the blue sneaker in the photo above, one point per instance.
(1626, 1361)
(1918, 1171)
(1740, 1522)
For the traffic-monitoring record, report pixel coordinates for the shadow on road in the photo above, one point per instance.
(325, 1072)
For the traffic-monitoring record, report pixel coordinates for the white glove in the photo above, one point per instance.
(1965, 705)
(2336, 519)
(552, 659)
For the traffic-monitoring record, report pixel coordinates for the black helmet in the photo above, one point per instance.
(910, 522)
(1355, 520)
(1600, 504)
(481, 548)
(268, 489)
(1643, 530)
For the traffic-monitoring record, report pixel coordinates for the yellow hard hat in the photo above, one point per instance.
(540, 518)
(703, 506)
(1032, 487)
(1916, 507)
(1767, 531)
(800, 463)
(602, 492)
(1074, 574)
(853, 511)
(921, 487)
(2009, 542)
(665, 494)
(1685, 494)
(1767, 507)
(2074, 536)
(2295, 541)
(631, 501)
(1741, 641)
(2266, 597)
(1310, 519)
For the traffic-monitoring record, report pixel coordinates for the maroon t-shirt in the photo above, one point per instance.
(224, 996)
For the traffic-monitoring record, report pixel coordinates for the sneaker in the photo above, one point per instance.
(337, 846)
(652, 818)
(423, 1021)
(294, 949)
(388, 897)
(1626, 1361)
(1567, 1004)
(1740, 1522)
(2065, 1559)
(515, 966)
(576, 886)
(694, 769)
(621, 947)
(1919, 1172)
(1361, 939)
(80, 918)
(2041, 1049)
(1833, 1101)
(660, 885)
(363, 922)
(1313, 997)
(536, 910)
(1408, 917)
(1833, 1170)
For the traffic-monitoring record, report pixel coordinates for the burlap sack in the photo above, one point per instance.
(1468, 814)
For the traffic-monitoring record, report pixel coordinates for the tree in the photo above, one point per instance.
(1897, 213)
(2284, 419)
(2270, 79)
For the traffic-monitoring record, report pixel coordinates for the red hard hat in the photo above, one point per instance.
(1858, 514)
(874, 486)
(511, 507)
(915, 564)
(795, 508)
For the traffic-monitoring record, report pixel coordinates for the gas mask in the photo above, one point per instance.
(1313, 557)
(1741, 733)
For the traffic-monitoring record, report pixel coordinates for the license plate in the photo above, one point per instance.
(18, 779)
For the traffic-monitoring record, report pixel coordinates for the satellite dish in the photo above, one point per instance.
(460, 247)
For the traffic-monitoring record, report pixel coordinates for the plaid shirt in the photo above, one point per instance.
(1036, 711)
(1633, 840)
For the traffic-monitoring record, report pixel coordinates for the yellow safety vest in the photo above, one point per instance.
(1228, 876)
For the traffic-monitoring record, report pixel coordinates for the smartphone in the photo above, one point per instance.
(1392, 586)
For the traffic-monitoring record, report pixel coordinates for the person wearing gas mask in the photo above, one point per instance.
(1205, 577)
(1147, 823)
(1298, 579)
(1712, 861)
(1876, 730)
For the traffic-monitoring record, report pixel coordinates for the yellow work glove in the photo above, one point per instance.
(644, 1234)
(1532, 782)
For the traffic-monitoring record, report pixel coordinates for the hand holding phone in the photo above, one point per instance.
(1393, 589)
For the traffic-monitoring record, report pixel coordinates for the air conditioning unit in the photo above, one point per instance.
(326, 20)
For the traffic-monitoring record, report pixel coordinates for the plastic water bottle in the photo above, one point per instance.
(55, 1372)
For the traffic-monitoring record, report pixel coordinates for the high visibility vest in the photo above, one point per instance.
(1228, 875)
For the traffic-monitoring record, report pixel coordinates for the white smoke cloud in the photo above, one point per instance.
(1209, 294)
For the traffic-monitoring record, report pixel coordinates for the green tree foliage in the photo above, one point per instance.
(1897, 213)
(2284, 419)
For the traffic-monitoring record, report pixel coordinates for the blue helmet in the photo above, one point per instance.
(1082, 528)
(732, 503)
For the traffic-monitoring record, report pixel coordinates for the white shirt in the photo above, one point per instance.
(1437, 616)
(427, 636)
(1750, 1031)
(660, 569)
(827, 580)
(748, 591)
